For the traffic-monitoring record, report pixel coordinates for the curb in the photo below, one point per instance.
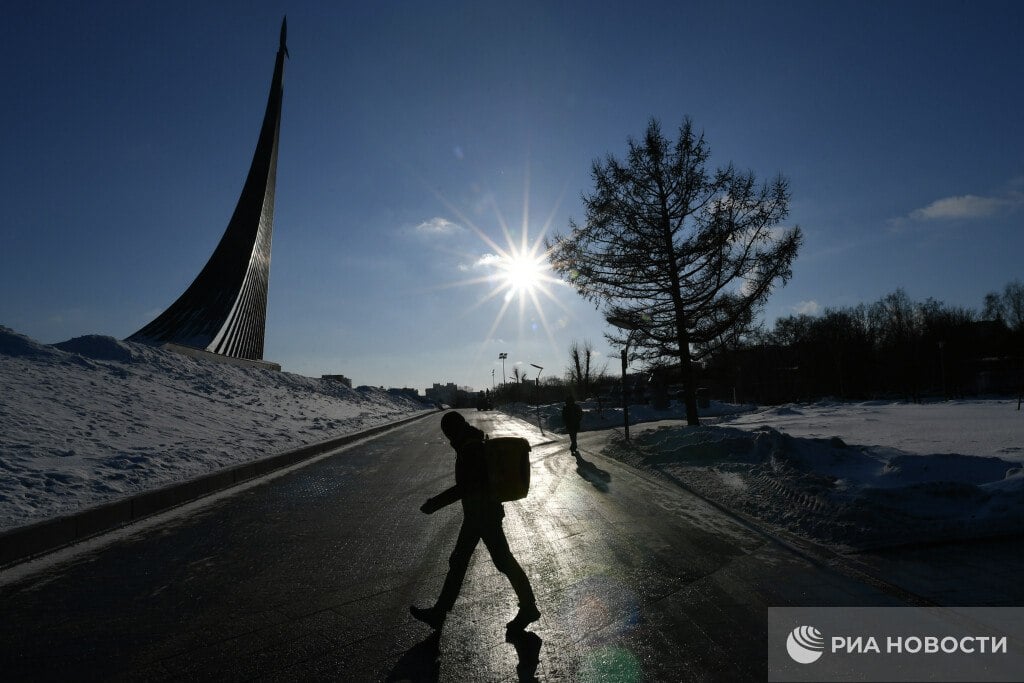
(23, 543)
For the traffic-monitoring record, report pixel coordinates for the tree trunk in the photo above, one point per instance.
(682, 331)
(689, 389)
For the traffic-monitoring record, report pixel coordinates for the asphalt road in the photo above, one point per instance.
(309, 576)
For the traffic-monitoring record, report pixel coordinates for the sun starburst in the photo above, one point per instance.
(517, 270)
(522, 273)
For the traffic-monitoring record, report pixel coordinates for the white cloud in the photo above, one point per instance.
(969, 206)
(438, 226)
(487, 260)
(806, 308)
(963, 207)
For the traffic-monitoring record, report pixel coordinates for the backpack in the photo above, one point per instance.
(507, 460)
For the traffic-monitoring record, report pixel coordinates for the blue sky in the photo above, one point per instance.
(418, 137)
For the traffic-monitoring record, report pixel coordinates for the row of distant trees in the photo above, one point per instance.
(894, 347)
(520, 388)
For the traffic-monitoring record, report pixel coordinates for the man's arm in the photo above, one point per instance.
(441, 500)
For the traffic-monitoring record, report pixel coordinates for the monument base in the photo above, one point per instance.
(220, 358)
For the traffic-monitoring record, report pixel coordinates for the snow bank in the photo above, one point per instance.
(829, 488)
(92, 419)
(101, 348)
(967, 427)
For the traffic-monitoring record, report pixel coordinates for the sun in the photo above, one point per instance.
(515, 270)
(522, 273)
(518, 273)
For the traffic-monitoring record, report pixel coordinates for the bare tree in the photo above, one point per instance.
(1013, 303)
(579, 365)
(993, 307)
(581, 371)
(679, 255)
(1007, 307)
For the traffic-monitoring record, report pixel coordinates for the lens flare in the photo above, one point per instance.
(611, 664)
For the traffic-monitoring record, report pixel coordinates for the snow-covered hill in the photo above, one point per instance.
(94, 419)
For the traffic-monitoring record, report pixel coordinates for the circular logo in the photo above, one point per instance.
(805, 644)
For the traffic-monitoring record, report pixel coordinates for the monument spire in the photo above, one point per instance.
(224, 310)
(284, 37)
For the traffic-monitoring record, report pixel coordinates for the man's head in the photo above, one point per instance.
(453, 424)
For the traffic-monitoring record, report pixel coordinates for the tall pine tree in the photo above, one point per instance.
(678, 257)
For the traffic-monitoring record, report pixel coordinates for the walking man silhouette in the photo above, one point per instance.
(482, 515)
(572, 417)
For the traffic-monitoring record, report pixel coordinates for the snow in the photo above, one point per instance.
(848, 475)
(966, 427)
(94, 419)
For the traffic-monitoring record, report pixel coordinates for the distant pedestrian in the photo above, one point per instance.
(482, 515)
(572, 416)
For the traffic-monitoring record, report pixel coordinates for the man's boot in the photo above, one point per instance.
(526, 615)
(431, 616)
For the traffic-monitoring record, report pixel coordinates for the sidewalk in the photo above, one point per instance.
(984, 573)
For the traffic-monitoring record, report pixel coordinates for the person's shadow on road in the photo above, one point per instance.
(527, 645)
(420, 662)
(597, 477)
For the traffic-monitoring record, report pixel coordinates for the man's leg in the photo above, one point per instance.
(505, 562)
(458, 563)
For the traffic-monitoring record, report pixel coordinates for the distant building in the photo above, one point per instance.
(446, 393)
(452, 395)
(406, 392)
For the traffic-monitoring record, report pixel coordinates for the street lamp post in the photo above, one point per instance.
(502, 357)
(942, 369)
(536, 395)
(631, 326)
(625, 399)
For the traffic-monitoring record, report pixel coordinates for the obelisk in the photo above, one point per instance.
(224, 310)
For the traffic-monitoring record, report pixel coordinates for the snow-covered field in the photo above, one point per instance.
(94, 419)
(851, 475)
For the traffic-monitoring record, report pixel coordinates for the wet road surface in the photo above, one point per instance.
(309, 576)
